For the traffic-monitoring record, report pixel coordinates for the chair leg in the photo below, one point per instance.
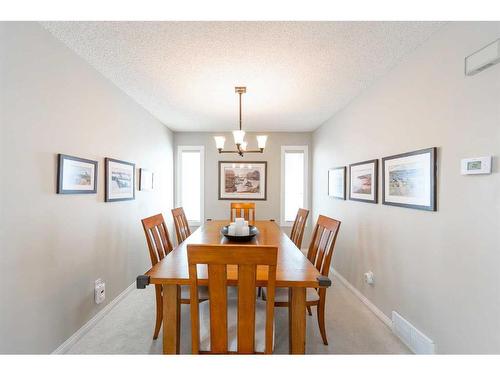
(309, 310)
(321, 318)
(159, 311)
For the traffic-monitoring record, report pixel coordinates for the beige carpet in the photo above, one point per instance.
(351, 328)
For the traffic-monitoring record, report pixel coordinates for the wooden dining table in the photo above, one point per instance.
(293, 271)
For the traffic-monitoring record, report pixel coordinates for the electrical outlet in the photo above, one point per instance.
(369, 278)
(99, 291)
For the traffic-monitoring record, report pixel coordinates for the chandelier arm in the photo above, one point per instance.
(240, 152)
(259, 151)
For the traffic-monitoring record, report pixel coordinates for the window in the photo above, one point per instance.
(190, 180)
(294, 162)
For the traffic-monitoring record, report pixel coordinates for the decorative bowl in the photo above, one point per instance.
(252, 233)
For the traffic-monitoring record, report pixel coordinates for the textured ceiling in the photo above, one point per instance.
(298, 74)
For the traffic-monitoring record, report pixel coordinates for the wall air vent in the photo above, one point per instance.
(482, 59)
(411, 336)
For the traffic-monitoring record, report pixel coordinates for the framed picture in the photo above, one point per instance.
(76, 175)
(146, 179)
(409, 180)
(363, 185)
(243, 180)
(120, 180)
(336, 182)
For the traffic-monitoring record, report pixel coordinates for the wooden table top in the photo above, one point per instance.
(293, 268)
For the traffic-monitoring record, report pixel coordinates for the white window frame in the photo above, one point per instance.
(178, 192)
(305, 150)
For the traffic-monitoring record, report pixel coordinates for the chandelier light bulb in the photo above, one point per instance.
(219, 142)
(261, 141)
(239, 136)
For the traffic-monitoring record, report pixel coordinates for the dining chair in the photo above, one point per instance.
(299, 224)
(181, 224)
(320, 254)
(245, 210)
(159, 246)
(222, 325)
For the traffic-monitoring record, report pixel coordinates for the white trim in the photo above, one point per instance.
(305, 150)
(411, 336)
(178, 196)
(67, 345)
(374, 309)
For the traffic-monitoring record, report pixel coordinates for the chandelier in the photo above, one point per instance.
(239, 135)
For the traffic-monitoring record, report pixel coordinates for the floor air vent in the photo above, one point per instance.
(412, 337)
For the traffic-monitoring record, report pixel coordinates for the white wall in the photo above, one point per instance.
(53, 246)
(438, 269)
(265, 210)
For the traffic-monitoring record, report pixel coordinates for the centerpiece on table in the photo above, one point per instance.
(239, 230)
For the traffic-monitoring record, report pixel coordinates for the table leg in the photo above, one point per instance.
(297, 320)
(171, 319)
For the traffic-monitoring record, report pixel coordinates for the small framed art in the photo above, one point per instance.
(363, 181)
(146, 180)
(336, 182)
(409, 179)
(76, 175)
(120, 180)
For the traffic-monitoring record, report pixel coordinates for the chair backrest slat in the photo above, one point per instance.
(245, 210)
(323, 243)
(299, 224)
(217, 289)
(247, 259)
(159, 245)
(194, 307)
(181, 224)
(246, 308)
(157, 237)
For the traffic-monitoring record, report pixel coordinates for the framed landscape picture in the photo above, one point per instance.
(363, 181)
(146, 180)
(409, 180)
(243, 180)
(120, 180)
(336, 182)
(76, 175)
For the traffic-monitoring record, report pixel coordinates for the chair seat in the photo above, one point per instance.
(232, 292)
(202, 292)
(281, 295)
(232, 325)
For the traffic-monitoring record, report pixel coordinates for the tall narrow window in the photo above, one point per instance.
(190, 176)
(294, 164)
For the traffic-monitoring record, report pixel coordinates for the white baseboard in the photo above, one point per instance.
(384, 318)
(66, 345)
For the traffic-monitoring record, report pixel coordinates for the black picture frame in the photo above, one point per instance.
(432, 151)
(107, 197)
(375, 181)
(60, 174)
(221, 162)
(344, 182)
